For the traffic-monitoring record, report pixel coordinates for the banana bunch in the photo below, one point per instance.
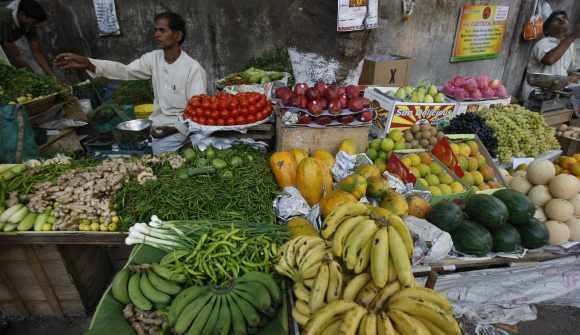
(300, 258)
(154, 287)
(241, 309)
(368, 237)
(411, 311)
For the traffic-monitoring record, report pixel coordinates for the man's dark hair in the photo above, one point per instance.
(552, 17)
(176, 22)
(33, 10)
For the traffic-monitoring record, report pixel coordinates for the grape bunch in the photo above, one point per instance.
(519, 131)
(472, 123)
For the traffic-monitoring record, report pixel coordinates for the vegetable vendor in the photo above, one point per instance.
(19, 20)
(554, 54)
(175, 75)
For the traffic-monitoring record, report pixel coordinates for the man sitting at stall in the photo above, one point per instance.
(17, 20)
(176, 77)
(554, 54)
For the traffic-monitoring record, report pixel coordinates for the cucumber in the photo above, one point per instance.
(119, 287)
(135, 294)
(163, 285)
(28, 222)
(9, 212)
(19, 215)
(40, 221)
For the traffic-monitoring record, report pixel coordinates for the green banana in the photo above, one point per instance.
(202, 317)
(163, 285)
(151, 292)
(257, 295)
(183, 299)
(119, 287)
(212, 321)
(191, 311)
(248, 311)
(238, 321)
(135, 294)
(165, 273)
(225, 318)
(267, 281)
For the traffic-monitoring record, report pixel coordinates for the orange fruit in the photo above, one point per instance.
(575, 169)
(487, 172)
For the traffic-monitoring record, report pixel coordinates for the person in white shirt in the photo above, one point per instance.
(554, 54)
(176, 77)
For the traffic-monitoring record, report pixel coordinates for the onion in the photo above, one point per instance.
(476, 94)
(458, 81)
(470, 85)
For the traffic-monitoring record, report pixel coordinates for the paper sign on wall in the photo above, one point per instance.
(357, 14)
(480, 32)
(107, 21)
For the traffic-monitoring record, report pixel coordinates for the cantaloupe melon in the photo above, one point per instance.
(559, 232)
(539, 195)
(540, 172)
(559, 210)
(564, 186)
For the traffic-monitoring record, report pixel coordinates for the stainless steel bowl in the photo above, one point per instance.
(548, 82)
(133, 131)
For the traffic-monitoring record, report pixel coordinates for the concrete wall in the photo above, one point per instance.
(225, 34)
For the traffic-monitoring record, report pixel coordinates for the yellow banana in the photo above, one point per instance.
(403, 323)
(367, 294)
(333, 327)
(321, 318)
(351, 321)
(423, 293)
(282, 268)
(380, 257)
(384, 325)
(384, 294)
(301, 292)
(368, 325)
(422, 328)
(399, 226)
(400, 259)
(433, 329)
(300, 318)
(428, 311)
(309, 273)
(302, 307)
(364, 257)
(313, 256)
(319, 290)
(342, 232)
(290, 255)
(356, 241)
(335, 282)
(339, 214)
(355, 285)
(392, 271)
(309, 283)
(307, 245)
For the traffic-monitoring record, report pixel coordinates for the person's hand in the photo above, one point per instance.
(72, 61)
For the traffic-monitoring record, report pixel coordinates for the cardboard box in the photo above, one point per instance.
(399, 114)
(474, 106)
(385, 70)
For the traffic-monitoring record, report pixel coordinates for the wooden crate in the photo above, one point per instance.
(569, 146)
(319, 138)
(51, 280)
(556, 118)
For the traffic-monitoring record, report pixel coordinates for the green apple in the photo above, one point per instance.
(387, 144)
(372, 154)
(432, 90)
(422, 182)
(396, 135)
(376, 144)
(400, 146)
(401, 94)
(384, 156)
(440, 98)
(428, 99)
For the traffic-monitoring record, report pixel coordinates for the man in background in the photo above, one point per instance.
(20, 19)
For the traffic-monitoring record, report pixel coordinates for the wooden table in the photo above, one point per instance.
(55, 274)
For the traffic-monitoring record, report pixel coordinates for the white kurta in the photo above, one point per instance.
(535, 65)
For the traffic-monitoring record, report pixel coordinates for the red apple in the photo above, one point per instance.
(346, 119)
(343, 101)
(356, 104)
(366, 116)
(321, 87)
(495, 84)
(300, 89)
(304, 119)
(303, 102)
(334, 106)
(341, 90)
(314, 107)
(323, 120)
(312, 94)
(294, 100)
(331, 93)
(283, 93)
(353, 91)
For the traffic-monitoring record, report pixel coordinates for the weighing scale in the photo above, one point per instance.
(131, 138)
(549, 93)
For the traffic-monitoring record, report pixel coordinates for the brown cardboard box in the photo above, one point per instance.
(385, 70)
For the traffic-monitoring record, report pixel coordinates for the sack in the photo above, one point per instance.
(533, 29)
(16, 135)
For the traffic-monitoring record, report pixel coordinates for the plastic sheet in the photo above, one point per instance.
(433, 244)
(345, 164)
(202, 142)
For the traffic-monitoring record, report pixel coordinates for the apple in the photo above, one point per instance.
(320, 87)
(331, 93)
(314, 107)
(312, 94)
(353, 91)
(300, 89)
(304, 119)
(334, 106)
(343, 101)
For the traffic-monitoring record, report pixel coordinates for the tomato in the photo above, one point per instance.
(220, 122)
(240, 119)
(251, 118)
(222, 104)
(244, 102)
(244, 111)
(234, 113)
(252, 109)
(211, 122)
(205, 104)
(269, 107)
(206, 113)
(230, 121)
(202, 120)
(233, 104)
(260, 104)
(198, 111)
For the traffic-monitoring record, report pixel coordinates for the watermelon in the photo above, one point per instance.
(446, 215)
(506, 239)
(472, 238)
(486, 210)
(520, 208)
(534, 234)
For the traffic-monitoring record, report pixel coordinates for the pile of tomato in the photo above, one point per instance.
(226, 109)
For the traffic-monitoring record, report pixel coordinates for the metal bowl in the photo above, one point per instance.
(133, 131)
(548, 82)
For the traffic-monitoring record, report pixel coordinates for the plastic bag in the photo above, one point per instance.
(16, 135)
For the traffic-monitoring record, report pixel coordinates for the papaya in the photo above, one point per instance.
(298, 154)
(324, 157)
(418, 207)
(283, 166)
(309, 180)
(333, 199)
(377, 187)
(327, 181)
(395, 203)
(348, 146)
(368, 170)
(354, 184)
(299, 226)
